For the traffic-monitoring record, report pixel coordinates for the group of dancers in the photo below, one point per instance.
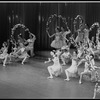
(86, 50)
(21, 49)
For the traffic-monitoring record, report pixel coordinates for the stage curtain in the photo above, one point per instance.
(35, 16)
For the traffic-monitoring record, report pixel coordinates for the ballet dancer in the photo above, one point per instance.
(89, 67)
(96, 90)
(65, 56)
(4, 54)
(22, 53)
(30, 46)
(57, 43)
(64, 34)
(72, 71)
(56, 68)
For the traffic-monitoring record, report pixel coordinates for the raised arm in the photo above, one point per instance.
(33, 35)
(80, 62)
(49, 35)
(68, 32)
(49, 60)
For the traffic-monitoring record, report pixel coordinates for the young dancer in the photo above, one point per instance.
(4, 54)
(65, 56)
(30, 42)
(22, 53)
(64, 34)
(56, 68)
(57, 43)
(72, 71)
(89, 67)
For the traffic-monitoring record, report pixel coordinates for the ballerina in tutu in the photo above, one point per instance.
(72, 71)
(30, 42)
(80, 36)
(4, 54)
(97, 50)
(56, 68)
(65, 56)
(22, 53)
(86, 35)
(57, 43)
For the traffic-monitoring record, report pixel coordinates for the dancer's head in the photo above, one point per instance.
(62, 29)
(75, 53)
(57, 29)
(52, 53)
(91, 56)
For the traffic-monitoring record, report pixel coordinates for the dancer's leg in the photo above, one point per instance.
(24, 60)
(5, 59)
(81, 75)
(95, 91)
(50, 72)
(67, 75)
(63, 60)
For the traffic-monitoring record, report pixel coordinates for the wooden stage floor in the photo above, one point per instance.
(30, 81)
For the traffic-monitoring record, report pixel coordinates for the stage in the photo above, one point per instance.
(30, 81)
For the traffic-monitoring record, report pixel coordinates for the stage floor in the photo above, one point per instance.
(30, 81)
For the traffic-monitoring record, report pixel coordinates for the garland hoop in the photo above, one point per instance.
(98, 29)
(55, 16)
(95, 24)
(17, 26)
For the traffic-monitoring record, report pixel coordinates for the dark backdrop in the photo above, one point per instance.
(35, 16)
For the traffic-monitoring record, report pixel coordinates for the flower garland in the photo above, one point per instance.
(55, 16)
(16, 26)
(81, 22)
(98, 29)
(95, 24)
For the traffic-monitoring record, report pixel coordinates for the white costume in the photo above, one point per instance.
(73, 68)
(4, 55)
(56, 67)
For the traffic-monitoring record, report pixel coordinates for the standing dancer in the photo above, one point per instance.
(30, 42)
(72, 71)
(57, 43)
(65, 56)
(86, 35)
(80, 36)
(4, 53)
(96, 90)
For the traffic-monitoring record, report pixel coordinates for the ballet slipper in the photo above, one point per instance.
(4, 65)
(80, 82)
(66, 79)
(50, 77)
(63, 64)
(22, 63)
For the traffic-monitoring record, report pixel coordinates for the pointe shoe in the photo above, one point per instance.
(4, 65)
(93, 97)
(50, 77)
(66, 79)
(22, 63)
(63, 64)
(80, 82)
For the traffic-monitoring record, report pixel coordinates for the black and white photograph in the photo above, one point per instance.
(49, 49)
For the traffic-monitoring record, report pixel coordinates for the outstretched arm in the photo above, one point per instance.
(83, 60)
(49, 35)
(49, 60)
(68, 32)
